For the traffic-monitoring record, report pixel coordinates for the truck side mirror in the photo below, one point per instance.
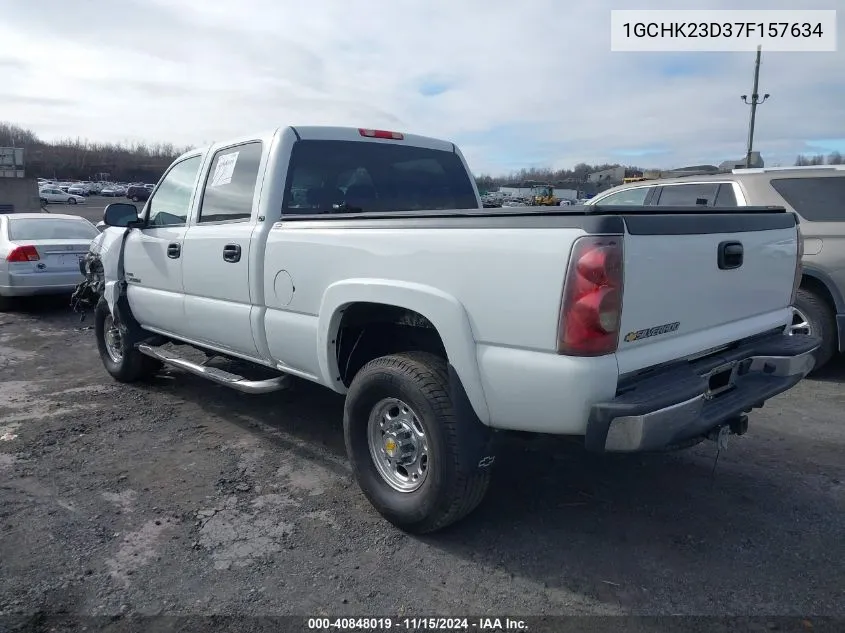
(120, 214)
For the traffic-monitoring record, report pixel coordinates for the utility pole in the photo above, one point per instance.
(755, 101)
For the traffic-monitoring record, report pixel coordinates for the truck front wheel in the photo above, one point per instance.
(117, 349)
(402, 440)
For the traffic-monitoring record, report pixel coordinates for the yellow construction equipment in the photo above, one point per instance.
(636, 179)
(543, 196)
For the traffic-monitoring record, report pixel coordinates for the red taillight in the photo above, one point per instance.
(591, 306)
(23, 254)
(393, 136)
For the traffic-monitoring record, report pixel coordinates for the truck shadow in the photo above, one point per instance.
(623, 530)
(628, 530)
(834, 371)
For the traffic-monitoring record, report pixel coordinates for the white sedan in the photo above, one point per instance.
(57, 196)
(78, 190)
(40, 253)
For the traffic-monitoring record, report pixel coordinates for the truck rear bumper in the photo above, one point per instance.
(673, 404)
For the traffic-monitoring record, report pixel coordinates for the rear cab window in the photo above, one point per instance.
(374, 177)
(816, 199)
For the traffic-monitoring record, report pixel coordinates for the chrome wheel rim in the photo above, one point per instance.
(800, 323)
(398, 445)
(113, 340)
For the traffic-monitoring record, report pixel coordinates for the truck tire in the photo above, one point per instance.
(117, 348)
(815, 312)
(400, 405)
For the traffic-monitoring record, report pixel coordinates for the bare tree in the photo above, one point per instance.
(81, 159)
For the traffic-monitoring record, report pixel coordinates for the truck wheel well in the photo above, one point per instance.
(819, 289)
(370, 330)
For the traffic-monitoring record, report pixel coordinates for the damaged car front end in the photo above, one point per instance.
(91, 288)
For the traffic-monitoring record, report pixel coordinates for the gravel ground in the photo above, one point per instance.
(182, 497)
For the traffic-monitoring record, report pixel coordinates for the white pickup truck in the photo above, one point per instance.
(363, 260)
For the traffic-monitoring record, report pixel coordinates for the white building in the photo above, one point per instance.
(613, 174)
(756, 162)
(527, 192)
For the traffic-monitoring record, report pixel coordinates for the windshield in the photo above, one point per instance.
(50, 229)
(356, 176)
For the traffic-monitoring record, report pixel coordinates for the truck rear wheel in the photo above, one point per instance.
(401, 438)
(813, 316)
(117, 348)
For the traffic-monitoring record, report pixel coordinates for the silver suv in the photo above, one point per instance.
(816, 194)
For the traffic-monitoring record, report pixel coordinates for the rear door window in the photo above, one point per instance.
(819, 199)
(635, 196)
(726, 197)
(363, 176)
(691, 195)
(230, 184)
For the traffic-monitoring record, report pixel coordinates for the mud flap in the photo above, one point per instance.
(476, 439)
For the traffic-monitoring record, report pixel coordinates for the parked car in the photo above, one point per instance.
(816, 194)
(40, 254)
(138, 193)
(384, 280)
(110, 192)
(78, 190)
(53, 195)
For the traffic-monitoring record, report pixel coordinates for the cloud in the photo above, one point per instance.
(433, 86)
(533, 84)
(24, 101)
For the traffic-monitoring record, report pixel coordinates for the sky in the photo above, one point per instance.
(515, 84)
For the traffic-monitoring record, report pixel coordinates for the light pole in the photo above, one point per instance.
(755, 101)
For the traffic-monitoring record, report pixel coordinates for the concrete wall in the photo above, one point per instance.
(20, 192)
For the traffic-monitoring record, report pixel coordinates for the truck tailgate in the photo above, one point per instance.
(694, 281)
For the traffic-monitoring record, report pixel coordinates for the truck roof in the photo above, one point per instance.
(329, 133)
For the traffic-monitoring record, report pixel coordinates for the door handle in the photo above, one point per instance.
(174, 250)
(730, 255)
(232, 253)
